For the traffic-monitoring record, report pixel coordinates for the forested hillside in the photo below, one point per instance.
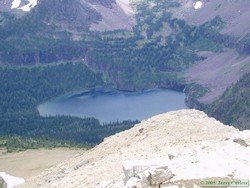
(233, 107)
(24, 88)
(51, 51)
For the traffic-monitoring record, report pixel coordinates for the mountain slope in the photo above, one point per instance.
(234, 13)
(221, 69)
(229, 64)
(99, 15)
(132, 45)
(119, 14)
(218, 72)
(233, 106)
(72, 14)
(199, 147)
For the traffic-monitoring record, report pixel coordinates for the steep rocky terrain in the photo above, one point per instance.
(193, 146)
(219, 70)
(118, 15)
(228, 64)
(235, 14)
(99, 15)
(134, 45)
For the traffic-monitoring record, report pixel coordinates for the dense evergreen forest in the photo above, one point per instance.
(23, 88)
(233, 107)
(41, 61)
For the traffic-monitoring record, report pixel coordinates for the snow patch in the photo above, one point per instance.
(15, 4)
(29, 6)
(198, 5)
(26, 8)
(126, 7)
(11, 181)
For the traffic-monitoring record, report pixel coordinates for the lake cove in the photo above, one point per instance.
(113, 105)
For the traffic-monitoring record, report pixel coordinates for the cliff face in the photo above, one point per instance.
(229, 65)
(192, 145)
(234, 13)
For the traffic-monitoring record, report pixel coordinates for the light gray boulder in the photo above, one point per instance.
(196, 186)
(133, 183)
(159, 175)
(146, 174)
(242, 138)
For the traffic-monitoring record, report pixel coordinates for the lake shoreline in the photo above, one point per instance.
(112, 105)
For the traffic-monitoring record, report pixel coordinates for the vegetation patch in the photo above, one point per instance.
(233, 107)
(193, 93)
(204, 44)
(155, 54)
(23, 88)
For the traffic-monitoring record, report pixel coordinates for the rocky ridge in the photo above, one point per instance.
(98, 15)
(189, 145)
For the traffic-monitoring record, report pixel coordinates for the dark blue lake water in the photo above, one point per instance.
(113, 105)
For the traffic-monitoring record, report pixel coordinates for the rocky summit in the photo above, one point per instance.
(178, 149)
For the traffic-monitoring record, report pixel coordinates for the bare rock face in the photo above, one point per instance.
(2, 183)
(234, 13)
(74, 14)
(105, 3)
(116, 14)
(146, 173)
(98, 15)
(202, 148)
(242, 138)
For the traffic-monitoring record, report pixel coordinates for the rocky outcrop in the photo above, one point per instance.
(242, 138)
(116, 14)
(78, 15)
(67, 14)
(188, 145)
(105, 3)
(146, 174)
(234, 13)
(8, 181)
(2, 183)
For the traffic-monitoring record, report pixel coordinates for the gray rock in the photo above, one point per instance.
(159, 176)
(146, 174)
(170, 156)
(133, 182)
(2, 183)
(141, 130)
(242, 138)
(144, 178)
(196, 186)
(82, 163)
(133, 167)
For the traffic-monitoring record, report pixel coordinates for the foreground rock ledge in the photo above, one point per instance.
(193, 145)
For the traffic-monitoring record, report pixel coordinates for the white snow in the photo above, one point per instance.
(125, 5)
(29, 6)
(198, 5)
(11, 181)
(26, 8)
(15, 4)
